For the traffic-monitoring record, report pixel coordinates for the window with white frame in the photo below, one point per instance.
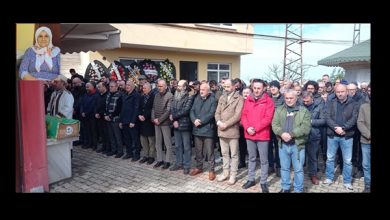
(217, 71)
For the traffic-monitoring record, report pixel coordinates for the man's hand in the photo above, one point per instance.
(175, 124)
(156, 122)
(286, 137)
(141, 117)
(97, 115)
(131, 125)
(339, 130)
(251, 131)
(120, 125)
(171, 117)
(197, 122)
(107, 118)
(222, 126)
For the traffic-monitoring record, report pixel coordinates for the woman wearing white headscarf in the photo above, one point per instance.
(41, 61)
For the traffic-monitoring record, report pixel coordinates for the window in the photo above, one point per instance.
(217, 71)
(222, 24)
(219, 25)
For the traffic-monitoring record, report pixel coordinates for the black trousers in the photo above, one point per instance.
(103, 131)
(242, 146)
(91, 132)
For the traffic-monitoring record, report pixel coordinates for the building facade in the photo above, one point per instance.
(198, 51)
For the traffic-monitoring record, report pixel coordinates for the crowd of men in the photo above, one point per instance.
(284, 124)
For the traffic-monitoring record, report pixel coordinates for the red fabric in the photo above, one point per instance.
(258, 115)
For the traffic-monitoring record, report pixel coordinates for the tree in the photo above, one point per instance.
(275, 72)
(337, 73)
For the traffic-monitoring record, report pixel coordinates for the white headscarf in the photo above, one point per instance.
(44, 54)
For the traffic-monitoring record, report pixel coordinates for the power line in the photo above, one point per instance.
(306, 40)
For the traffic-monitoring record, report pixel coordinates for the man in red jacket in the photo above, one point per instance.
(256, 119)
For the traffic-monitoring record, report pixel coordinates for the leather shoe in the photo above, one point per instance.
(264, 188)
(248, 184)
(195, 171)
(175, 167)
(119, 155)
(186, 171)
(158, 164)
(211, 175)
(110, 154)
(166, 165)
(143, 160)
(135, 159)
(127, 156)
(150, 160)
(284, 191)
(315, 180)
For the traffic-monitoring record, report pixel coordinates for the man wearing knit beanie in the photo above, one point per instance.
(274, 83)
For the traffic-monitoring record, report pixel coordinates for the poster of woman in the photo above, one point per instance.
(42, 60)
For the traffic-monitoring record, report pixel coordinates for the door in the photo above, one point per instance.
(189, 70)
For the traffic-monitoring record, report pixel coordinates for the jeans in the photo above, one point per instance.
(288, 154)
(366, 152)
(346, 149)
(183, 148)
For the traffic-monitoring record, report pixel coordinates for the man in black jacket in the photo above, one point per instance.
(341, 117)
(99, 115)
(180, 117)
(128, 119)
(202, 116)
(317, 122)
(146, 125)
(111, 115)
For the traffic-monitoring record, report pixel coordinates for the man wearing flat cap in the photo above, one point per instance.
(61, 100)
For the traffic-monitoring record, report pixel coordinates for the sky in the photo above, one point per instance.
(268, 52)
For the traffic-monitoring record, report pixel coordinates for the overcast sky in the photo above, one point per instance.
(267, 52)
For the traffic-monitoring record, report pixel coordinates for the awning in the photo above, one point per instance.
(88, 37)
(358, 53)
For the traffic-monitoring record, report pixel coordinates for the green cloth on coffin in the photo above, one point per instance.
(59, 128)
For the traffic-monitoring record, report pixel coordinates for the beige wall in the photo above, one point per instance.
(175, 57)
(188, 37)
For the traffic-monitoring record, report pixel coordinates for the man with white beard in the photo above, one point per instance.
(180, 117)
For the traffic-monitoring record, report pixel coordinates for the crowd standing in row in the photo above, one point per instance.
(283, 123)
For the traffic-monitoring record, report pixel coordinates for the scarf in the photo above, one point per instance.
(44, 54)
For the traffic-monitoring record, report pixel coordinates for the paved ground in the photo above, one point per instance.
(95, 172)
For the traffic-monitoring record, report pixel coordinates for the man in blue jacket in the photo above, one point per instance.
(128, 119)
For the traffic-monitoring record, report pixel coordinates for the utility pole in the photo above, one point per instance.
(356, 34)
(293, 51)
